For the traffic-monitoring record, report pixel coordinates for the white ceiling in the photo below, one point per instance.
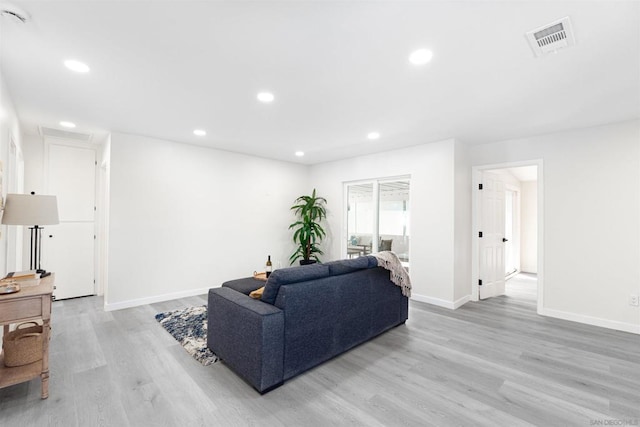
(338, 71)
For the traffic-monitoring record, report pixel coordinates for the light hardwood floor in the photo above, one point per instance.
(494, 363)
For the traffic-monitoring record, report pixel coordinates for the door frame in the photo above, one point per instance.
(516, 226)
(476, 174)
(375, 235)
(13, 175)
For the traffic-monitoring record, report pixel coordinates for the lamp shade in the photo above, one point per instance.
(30, 209)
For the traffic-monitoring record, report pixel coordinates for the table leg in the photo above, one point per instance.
(45, 359)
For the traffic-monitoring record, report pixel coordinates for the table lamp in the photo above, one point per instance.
(35, 211)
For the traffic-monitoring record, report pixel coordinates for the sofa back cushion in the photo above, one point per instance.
(285, 276)
(345, 266)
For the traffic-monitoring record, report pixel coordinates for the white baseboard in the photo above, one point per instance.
(589, 320)
(452, 305)
(462, 301)
(154, 299)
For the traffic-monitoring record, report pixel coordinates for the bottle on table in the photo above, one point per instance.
(269, 267)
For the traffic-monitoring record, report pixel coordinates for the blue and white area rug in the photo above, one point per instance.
(189, 327)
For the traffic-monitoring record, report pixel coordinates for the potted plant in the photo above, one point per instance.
(308, 234)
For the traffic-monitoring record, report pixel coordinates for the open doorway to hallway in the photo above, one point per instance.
(521, 228)
(523, 287)
(506, 212)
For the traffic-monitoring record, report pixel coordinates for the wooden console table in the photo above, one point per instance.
(32, 302)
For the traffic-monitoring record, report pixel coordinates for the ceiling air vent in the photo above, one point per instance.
(13, 13)
(44, 131)
(551, 37)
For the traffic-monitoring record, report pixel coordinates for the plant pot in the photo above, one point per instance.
(307, 261)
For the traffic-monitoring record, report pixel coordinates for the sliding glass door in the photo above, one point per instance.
(393, 218)
(378, 217)
(360, 219)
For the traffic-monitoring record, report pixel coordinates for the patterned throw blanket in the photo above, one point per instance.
(398, 275)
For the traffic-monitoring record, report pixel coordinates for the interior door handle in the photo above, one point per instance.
(505, 240)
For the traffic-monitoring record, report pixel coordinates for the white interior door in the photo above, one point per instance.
(492, 226)
(68, 248)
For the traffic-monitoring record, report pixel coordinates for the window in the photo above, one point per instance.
(378, 217)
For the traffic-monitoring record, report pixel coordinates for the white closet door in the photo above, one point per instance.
(68, 248)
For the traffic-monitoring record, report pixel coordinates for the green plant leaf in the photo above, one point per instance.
(307, 232)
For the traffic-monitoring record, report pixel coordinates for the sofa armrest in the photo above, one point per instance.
(248, 335)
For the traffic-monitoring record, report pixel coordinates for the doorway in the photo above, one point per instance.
(508, 228)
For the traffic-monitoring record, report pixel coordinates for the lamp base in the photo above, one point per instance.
(43, 273)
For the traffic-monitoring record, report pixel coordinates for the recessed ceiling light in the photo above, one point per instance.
(67, 124)
(77, 66)
(265, 97)
(420, 56)
(373, 135)
(299, 153)
(199, 132)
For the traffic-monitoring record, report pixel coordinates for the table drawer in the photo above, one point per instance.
(16, 310)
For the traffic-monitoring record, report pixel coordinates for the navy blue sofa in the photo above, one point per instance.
(306, 316)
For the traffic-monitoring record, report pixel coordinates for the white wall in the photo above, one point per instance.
(33, 148)
(184, 219)
(434, 241)
(34, 164)
(592, 219)
(529, 226)
(9, 131)
(462, 230)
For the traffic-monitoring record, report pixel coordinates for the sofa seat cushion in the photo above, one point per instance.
(245, 285)
(286, 276)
